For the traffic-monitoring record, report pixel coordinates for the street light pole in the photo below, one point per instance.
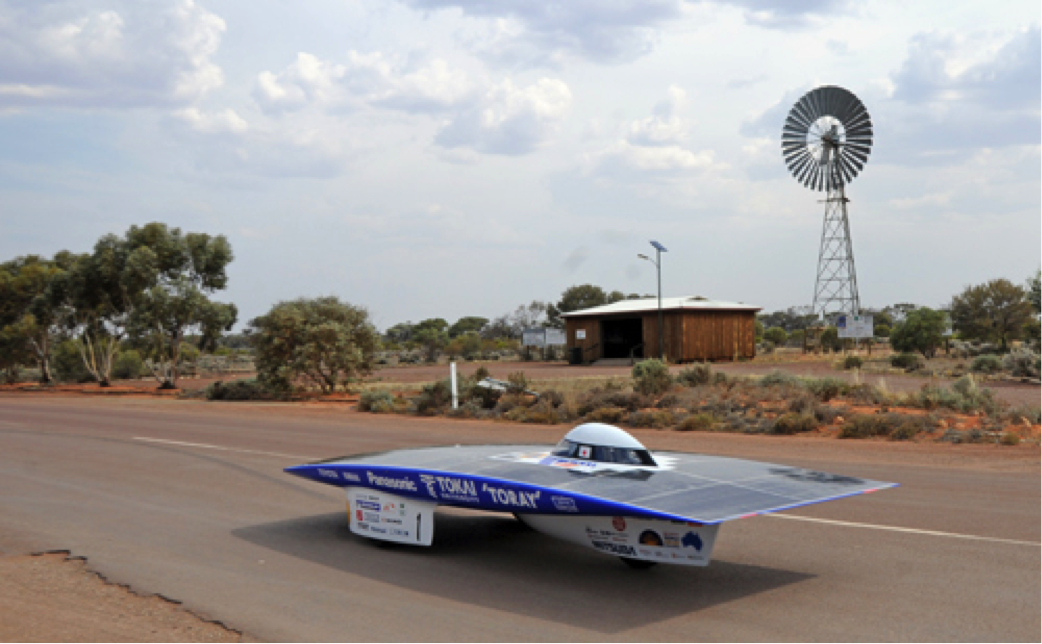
(659, 249)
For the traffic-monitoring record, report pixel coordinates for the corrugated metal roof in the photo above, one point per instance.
(692, 302)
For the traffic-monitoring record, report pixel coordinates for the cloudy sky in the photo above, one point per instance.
(442, 158)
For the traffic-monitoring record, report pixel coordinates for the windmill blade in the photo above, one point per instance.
(805, 140)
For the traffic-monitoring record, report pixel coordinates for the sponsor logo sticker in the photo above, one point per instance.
(618, 523)
(564, 504)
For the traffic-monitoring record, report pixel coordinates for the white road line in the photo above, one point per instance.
(223, 449)
(935, 533)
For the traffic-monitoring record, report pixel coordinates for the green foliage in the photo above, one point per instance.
(240, 390)
(518, 383)
(986, 364)
(794, 423)
(852, 362)
(654, 419)
(469, 324)
(319, 342)
(30, 319)
(779, 378)
(829, 339)
(1033, 292)
(894, 426)
(610, 415)
(377, 401)
(907, 361)
(963, 396)
(700, 422)
(777, 335)
(995, 311)
(696, 375)
(922, 330)
(128, 365)
(434, 397)
(651, 377)
(758, 331)
(1022, 363)
(67, 363)
(825, 389)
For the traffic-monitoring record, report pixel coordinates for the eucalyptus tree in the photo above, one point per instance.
(168, 277)
(29, 320)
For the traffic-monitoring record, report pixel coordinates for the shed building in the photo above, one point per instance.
(694, 329)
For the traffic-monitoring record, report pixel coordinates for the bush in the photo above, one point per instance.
(518, 383)
(793, 423)
(695, 375)
(894, 426)
(651, 377)
(128, 365)
(986, 364)
(778, 378)
(376, 401)
(906, 361)
(825, 389)
(239, 390)
(658, 419)
(434, 397)
(630, 401)
(852, 362)
(67, 363)
(1022, 363)
(1009, 438)
(697, 423)
(610, 415)
(865, 426)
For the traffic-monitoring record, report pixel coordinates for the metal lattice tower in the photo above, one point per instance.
(835, 290)
(826, 141)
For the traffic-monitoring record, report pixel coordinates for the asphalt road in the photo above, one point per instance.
(188, 500)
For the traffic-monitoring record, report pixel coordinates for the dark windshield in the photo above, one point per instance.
(602, 454)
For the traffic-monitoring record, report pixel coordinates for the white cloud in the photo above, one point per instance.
(666, 126)
(509, 120)
(65, 53)
(225, 121)
(363, 79)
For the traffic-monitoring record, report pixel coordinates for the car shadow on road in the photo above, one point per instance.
(494, 561)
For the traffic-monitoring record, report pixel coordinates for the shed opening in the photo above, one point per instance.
(621, 336)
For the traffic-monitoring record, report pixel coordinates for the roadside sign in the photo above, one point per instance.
(854, 326)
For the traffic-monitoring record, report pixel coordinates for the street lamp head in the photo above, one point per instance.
(643, 256)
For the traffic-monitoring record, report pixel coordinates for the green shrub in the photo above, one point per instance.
(778, 378)
(610, 415)
(518, 383)
(1022, 363)
(695, 375)
(852, 362)
(1009, 438)
(986, 364)
(651, 377)
(128, 365)
(866, 426)
(67, 363)
(239, 390)
(433, 398)
(696, 423)
(825, 389)
(793, 423)
(657, 419)
(906, 361)
(630, 401)
(376, 401)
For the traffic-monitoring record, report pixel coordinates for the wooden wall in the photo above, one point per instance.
(690, 336)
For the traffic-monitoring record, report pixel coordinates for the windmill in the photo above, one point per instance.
(826, 141)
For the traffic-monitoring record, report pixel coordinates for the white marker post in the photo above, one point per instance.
(455, 398)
